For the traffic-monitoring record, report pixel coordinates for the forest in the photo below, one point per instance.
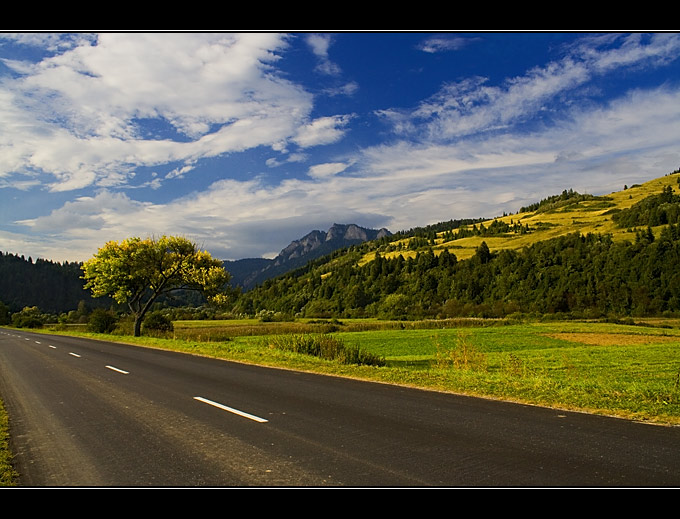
(52, 286)
(583, 276)
(576, 275)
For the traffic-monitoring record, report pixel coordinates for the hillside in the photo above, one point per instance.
(571, 253)
(582, 214)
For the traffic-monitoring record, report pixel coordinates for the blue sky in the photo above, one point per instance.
(245, 142)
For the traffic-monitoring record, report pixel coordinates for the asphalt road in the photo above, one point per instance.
(90, 413)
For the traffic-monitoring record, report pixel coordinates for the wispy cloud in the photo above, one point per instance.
(445, 43)
(320, 43)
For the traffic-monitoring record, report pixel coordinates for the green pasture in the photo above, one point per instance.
(629, 371)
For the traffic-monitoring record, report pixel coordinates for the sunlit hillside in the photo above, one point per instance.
(582, 216)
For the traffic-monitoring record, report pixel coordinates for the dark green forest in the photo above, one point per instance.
(53, 287)
(584, 276)
(576, 275)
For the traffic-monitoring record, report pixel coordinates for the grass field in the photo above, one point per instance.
(631, 371)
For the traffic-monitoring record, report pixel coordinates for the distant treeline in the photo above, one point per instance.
(53, 287)
(567, 197)
(585, 276)
(652, 211)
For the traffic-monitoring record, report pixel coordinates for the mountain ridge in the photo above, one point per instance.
(249, 272)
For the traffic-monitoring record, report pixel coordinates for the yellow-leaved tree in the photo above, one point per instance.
(135, 272)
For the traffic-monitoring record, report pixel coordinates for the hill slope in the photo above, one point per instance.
(556, 216)
(586, 255)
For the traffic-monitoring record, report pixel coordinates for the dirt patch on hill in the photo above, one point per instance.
(613, 339)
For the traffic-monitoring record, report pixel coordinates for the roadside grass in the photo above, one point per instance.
(8, 476)
(630, 371)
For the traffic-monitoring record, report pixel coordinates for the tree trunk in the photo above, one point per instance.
(138, 325)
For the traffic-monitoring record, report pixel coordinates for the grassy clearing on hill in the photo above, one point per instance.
(622, 370)
(591, 216)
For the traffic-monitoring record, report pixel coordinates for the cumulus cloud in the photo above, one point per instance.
(83, 115)
(324, 130)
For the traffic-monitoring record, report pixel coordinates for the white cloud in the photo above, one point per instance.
(78, 115)
(324, 130)
(470, 106)
(471, 157)
(320, 43)
(322, 171)
(444, 43)
(400, 186)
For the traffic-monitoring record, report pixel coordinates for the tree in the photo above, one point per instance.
(483, 253)
(135, 272)
(4, 313)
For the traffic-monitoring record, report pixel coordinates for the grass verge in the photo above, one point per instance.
(8, 476)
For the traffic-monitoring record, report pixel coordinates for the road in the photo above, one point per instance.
(91, 413)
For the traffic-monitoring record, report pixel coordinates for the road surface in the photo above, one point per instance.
(91, 413)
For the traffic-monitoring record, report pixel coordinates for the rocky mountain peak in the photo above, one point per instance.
(298, 252)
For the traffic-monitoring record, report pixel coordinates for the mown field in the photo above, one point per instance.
(631, 371)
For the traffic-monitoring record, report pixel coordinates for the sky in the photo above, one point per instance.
(243, 142)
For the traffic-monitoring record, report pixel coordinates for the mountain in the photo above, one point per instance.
(250, 272)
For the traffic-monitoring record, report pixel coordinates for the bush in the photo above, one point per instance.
(26, 321)
(29, 317)
(102, 321)
(325, 347)
(269, 316)
(159, 322)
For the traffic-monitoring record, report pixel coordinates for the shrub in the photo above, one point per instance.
(158, 322)
(463, 356)
(325, 347)
(269, 316)
(102, 321)
(29, 317)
